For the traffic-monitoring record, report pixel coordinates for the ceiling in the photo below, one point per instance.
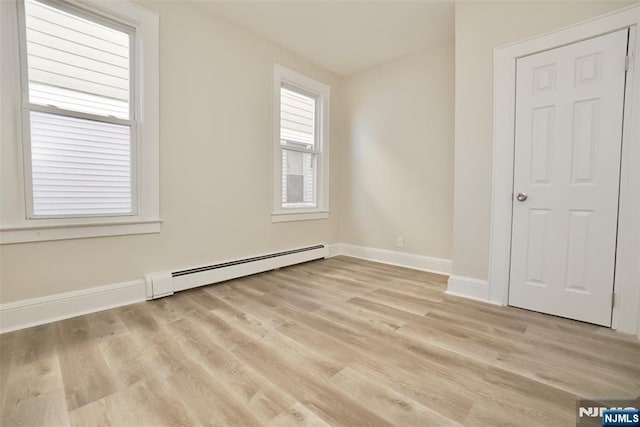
(343, 36)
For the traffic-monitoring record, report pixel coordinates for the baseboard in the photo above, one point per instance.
(38, 311)
(468, 287)
(334, 249)
(402, 259)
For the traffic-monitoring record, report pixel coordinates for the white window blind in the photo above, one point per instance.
(79, 166)
(297, 117)
(80, 115)
(299, 148)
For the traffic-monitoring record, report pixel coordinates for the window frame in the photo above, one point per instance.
(18, 222)
(284, 77)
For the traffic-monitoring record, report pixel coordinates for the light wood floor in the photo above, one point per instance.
(338, 342)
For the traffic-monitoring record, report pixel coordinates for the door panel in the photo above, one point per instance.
(569, 109)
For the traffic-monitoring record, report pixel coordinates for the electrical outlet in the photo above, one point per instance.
(400, 242)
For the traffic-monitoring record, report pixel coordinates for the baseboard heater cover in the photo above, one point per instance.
(165, 283)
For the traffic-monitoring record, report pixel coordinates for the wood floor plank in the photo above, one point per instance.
(313, 362)
(341, 341)
(130, 362)
(86, 375)
(222, 331)
(209, 402)
(446, 395)
(204, 299)
(6, 350)
(326, 285)
(298, 415)
(138, 319)
(156, 400)
(106, 324)
(396, 407)
(47, 409)
(19, 351)
(330, 403)
(35, 392)
(383, 309)
(254, 319)
(230, 373)
(118, 409)
(444, 398)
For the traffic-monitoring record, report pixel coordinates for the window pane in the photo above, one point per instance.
(297, 118)
(80, 167)
(298, 179)
(75, 63)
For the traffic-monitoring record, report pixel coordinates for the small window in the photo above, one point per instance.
(301, 148)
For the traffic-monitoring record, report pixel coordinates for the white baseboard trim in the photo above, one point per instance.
(470, 288)
(334, 249)
(402, 259)
(38, 311)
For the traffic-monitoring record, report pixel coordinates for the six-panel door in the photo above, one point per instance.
(569, 110)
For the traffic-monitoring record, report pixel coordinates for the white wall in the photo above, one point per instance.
(480, 27)
(215, 141)
(397, 177)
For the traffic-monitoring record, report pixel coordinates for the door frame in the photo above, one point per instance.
(626, 311)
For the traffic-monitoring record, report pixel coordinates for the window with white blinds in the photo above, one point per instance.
(81, 121)
(301, 147)
(298, 140)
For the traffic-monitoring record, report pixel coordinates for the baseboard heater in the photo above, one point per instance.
(164, 283)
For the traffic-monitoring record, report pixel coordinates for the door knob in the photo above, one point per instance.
(522, 197)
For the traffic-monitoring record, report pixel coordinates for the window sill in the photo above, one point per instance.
(298, 215)
(41, 232)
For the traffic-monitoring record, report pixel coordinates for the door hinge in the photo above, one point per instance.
(627, 62)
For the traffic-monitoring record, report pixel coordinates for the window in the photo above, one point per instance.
(301, 146)
(80, 116)
(89, 161)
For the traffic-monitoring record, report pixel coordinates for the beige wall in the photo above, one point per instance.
(215, 141)
(398, 155)
(391, 154)
(480, 27)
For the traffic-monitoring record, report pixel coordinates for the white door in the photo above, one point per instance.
(569, 106)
